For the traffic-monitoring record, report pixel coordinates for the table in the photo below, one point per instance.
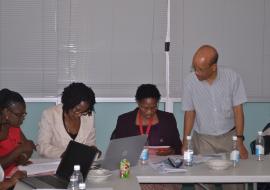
(248, 171)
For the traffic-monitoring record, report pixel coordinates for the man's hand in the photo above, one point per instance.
(242, 150)
(184, 146)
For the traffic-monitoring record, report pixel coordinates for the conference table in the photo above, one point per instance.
(247, 171)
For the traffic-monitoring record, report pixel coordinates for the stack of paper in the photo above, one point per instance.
(164, 167)
(40, 166)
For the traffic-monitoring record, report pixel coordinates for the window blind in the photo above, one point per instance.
(111, 45)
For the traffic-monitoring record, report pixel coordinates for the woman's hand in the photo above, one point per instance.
(165, 152)
(19, 175)
(27, 146)
(23, 159)
(8, 183)
(26, 149)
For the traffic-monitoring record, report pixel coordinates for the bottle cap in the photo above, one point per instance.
(77, 167)
(188, 137)
(234, 138)
(259, 132)
(81, 185)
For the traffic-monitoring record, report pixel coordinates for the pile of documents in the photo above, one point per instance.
(41, 166)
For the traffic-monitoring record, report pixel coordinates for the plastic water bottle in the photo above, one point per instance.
(78, 174)
(82, 186)
(188, 153)
(144, 156)
(260, 146)
(235, 156)
(73, 183)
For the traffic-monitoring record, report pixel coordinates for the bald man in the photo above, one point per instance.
(213, 104)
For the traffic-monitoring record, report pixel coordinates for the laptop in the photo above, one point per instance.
(76, 153)
(118, 149)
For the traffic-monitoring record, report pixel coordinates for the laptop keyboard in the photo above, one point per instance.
(53, 181)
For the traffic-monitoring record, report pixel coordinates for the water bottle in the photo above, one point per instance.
(82, 186)
(78, 174)
(144, 156)
(73, 183)
(235, 156)
(188, 153)
(260, 146)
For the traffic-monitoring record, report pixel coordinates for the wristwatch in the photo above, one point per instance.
(241, 137)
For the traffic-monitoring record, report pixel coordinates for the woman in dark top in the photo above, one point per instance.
(160, 126)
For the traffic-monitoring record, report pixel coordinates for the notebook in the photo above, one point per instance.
(118, 149)
(76, 153)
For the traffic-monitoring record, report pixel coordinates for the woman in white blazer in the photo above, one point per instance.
(71, 120)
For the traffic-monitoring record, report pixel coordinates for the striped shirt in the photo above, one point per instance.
(214, 103)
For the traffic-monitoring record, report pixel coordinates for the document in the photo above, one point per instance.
(41, 166)
(163, 166)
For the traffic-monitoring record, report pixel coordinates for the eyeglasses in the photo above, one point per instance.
(86, 113)
(199, 70)
(19, 115)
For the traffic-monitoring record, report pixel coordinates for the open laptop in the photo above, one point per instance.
(118, 149)
(76, 153)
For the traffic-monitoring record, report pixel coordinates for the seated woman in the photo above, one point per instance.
(160, 126)
(15, 149)
(71, 120)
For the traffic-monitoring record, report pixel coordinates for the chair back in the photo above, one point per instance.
(266, 145)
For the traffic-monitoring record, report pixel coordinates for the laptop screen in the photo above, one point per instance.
(129, 148)
(76, 154)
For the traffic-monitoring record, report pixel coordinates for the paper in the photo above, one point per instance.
(41, 166)
(164, 167)
(157, 147)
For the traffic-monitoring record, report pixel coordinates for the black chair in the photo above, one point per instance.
(262, 186)
(266, 142)
(266, 145)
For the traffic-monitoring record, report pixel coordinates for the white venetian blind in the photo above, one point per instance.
(111, 45)
(239, 29)
(28, 47)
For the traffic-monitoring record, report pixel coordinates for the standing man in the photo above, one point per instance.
(213, 103)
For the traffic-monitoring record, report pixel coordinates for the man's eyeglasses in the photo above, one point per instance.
(199, 70)
(19, 115)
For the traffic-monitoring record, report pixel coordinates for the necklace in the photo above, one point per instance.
(149, 125)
